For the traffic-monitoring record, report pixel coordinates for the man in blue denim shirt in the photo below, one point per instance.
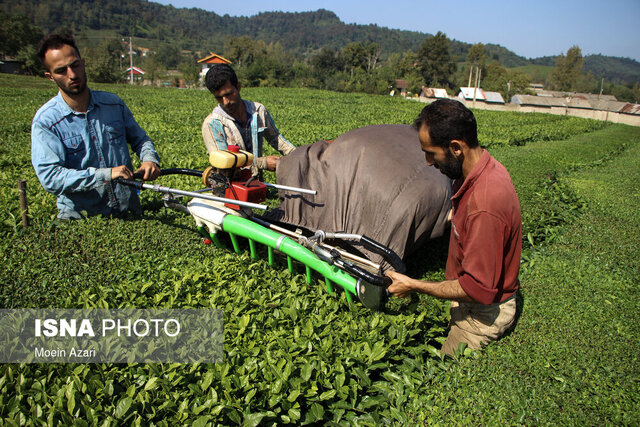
(80, 140)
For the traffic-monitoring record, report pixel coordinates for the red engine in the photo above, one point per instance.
(254, 192)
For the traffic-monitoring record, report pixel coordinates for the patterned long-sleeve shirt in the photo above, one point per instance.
(219, 130)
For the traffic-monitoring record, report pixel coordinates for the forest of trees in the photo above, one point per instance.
(309, 49)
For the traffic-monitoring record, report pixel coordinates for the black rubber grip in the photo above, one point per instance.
(130, 183)
(172, 171)
(365, 275)
(181, 171)
(390, 256)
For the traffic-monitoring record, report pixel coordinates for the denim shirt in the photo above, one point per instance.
(73, 153)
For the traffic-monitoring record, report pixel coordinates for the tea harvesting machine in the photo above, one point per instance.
(226, 204)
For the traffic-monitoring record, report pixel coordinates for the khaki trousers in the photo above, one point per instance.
(478, 324)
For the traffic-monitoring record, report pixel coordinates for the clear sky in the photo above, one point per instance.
(528, 28)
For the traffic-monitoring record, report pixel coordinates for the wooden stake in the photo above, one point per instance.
(24, 209)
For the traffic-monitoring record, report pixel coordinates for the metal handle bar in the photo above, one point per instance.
(192, 172)
(288, 188)
(167, 190)
(333, 257)
(387, 254)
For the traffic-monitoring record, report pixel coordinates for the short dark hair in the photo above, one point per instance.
(448, 119)
(218, 75)
(55, 41)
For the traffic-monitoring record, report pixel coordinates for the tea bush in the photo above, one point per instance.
(295, 354)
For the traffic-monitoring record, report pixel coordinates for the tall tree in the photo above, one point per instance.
(30, 63)
(18, 38)
(103, 62)
(168, 55)
(568, 70)
(326, 65)
(327, 60)
(476, 55)
(239, 50)
(153, 68)
(508, 82)
(16, 32)
(434, 60)
(353, 56)
(406, 67)
(372, 56)
(475, 68)
(356, 55)
(190, 71)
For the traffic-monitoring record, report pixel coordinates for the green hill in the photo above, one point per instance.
(614, 69)
(538, 73)
(300, 33)
(199, 30)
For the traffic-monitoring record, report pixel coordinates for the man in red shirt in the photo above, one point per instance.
(486, 230)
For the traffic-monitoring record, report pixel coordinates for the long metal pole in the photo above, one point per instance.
(287, 188)
(168, 190)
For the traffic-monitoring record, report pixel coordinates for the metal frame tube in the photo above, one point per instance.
(342, 252)
(235, 225)
(343, 236)
(288, 188)
(174, 191)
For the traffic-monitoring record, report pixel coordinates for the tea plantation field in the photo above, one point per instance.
(295, 354)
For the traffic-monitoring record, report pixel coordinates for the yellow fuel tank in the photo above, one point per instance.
(226, 159)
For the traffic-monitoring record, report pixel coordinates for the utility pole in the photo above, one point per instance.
(131, 60)
(475, 88)
(601, 88)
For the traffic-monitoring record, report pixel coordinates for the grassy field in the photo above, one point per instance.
(295, 354)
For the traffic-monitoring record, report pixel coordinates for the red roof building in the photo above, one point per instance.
(208, 61)
(214, 58)
(138, 73)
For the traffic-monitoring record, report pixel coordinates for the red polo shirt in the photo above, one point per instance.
(486, 233)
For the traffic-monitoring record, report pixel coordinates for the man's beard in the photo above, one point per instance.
(452, 168)
(76, 90)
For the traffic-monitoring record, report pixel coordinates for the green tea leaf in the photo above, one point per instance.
(123, 407)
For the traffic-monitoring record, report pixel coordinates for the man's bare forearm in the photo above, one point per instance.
(448, 289)
(403, 286)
